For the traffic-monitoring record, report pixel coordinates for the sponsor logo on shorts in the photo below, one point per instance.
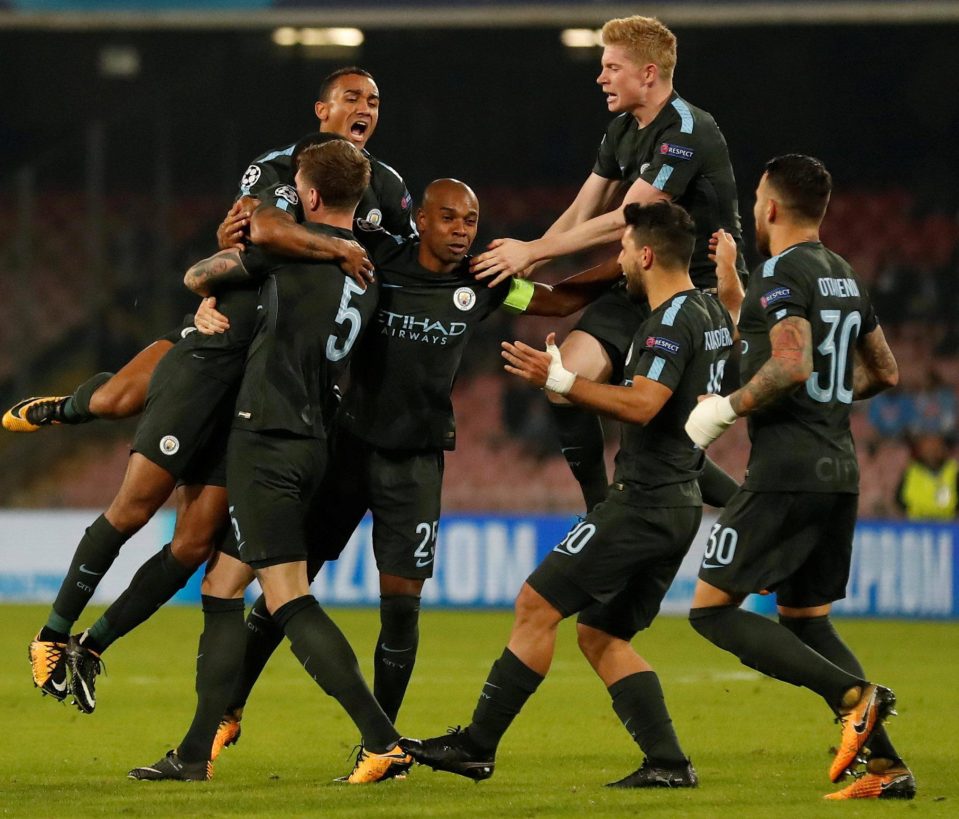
(169, 445)
(374, 217)
(676, 151)
(464, 298)
(664, 344)
(250, 176)
(774, 295)
(288, 193)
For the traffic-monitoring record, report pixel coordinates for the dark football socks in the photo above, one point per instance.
(95, 554)
(640, 705)
(395, 652)
(76, 409)
(327, 657)
(821, 636)
(218, 660)
(716, 485)
(510, 683)
(154, 583)
(580, 435)
(773, 650)
(263, 636)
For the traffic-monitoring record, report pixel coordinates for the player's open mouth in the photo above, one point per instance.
(359, 128)
(458, 248)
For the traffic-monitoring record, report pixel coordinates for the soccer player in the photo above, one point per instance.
(615, 566)
(180, 440)
(387, 455)
(811, 346)
(348, 105)
(658, 147)
(307, 328)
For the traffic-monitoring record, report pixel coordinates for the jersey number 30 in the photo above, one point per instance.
(837, 356)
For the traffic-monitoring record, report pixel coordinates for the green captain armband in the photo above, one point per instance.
(519, 296)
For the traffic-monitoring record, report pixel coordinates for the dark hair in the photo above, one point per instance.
(316, 138)
(330, 79)
(803, 183)
(337, 170)
(666, 228)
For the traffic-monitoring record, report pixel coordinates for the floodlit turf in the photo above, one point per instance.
(761, 747)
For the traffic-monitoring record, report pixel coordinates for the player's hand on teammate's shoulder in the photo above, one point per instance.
(234, 230)
(208, 320)
(504, 258)
(354, 261)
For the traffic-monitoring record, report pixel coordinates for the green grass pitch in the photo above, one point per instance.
(760, 746)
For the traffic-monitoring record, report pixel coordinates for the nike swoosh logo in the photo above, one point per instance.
(61, 686)
(85, 570)
(201, 357)
(421, 563)
(255, 613)
(394, 286)
(566, 449)
(394, 650)
(860, 727)
(891, 782)
(711, 566)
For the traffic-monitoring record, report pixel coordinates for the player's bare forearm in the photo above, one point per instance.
(575, 292)
(789, 365)
(277, 231)
(636, 404)
(599, 230)
(874, 366)
(225, 267)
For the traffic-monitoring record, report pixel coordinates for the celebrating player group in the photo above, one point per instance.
(326, 267)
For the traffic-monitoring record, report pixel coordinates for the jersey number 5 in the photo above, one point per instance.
(348, 315)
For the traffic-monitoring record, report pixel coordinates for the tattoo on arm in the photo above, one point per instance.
(221, 268)
(788, 366)
(874, 366)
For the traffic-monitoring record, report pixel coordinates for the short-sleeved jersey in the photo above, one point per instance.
(683, 153)
(405, 366)
(683, 345)
(802, 442)
(386, 201)
(310, 316)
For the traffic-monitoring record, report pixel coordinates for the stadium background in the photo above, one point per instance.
(126, 125)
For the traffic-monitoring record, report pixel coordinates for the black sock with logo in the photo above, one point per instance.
(395, 653)
(639, 703)
(510, 683)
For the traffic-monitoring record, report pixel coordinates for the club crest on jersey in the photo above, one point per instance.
(774, 295)
(169, 445)
(676, 151)
(250, 176)
(288, 193)
(464, 298)
(375, 216)
(664, 344)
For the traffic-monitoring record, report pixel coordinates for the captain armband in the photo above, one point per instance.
(519, 296)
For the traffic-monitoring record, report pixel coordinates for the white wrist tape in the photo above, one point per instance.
(709, 419)
(560, 380)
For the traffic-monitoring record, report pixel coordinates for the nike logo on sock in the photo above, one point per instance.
(85, 570)
(385, 647)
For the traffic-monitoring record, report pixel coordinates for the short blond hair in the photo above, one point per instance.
(645, 39)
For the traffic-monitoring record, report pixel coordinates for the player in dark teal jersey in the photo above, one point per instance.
(305, 333)
(615, 566)
(659, 147)
(811, 346)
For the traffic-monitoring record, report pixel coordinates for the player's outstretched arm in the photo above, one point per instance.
(278, 232)
(511, 257)
(573, 293)
(636, 404)
(225, 267)
(874, 366)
